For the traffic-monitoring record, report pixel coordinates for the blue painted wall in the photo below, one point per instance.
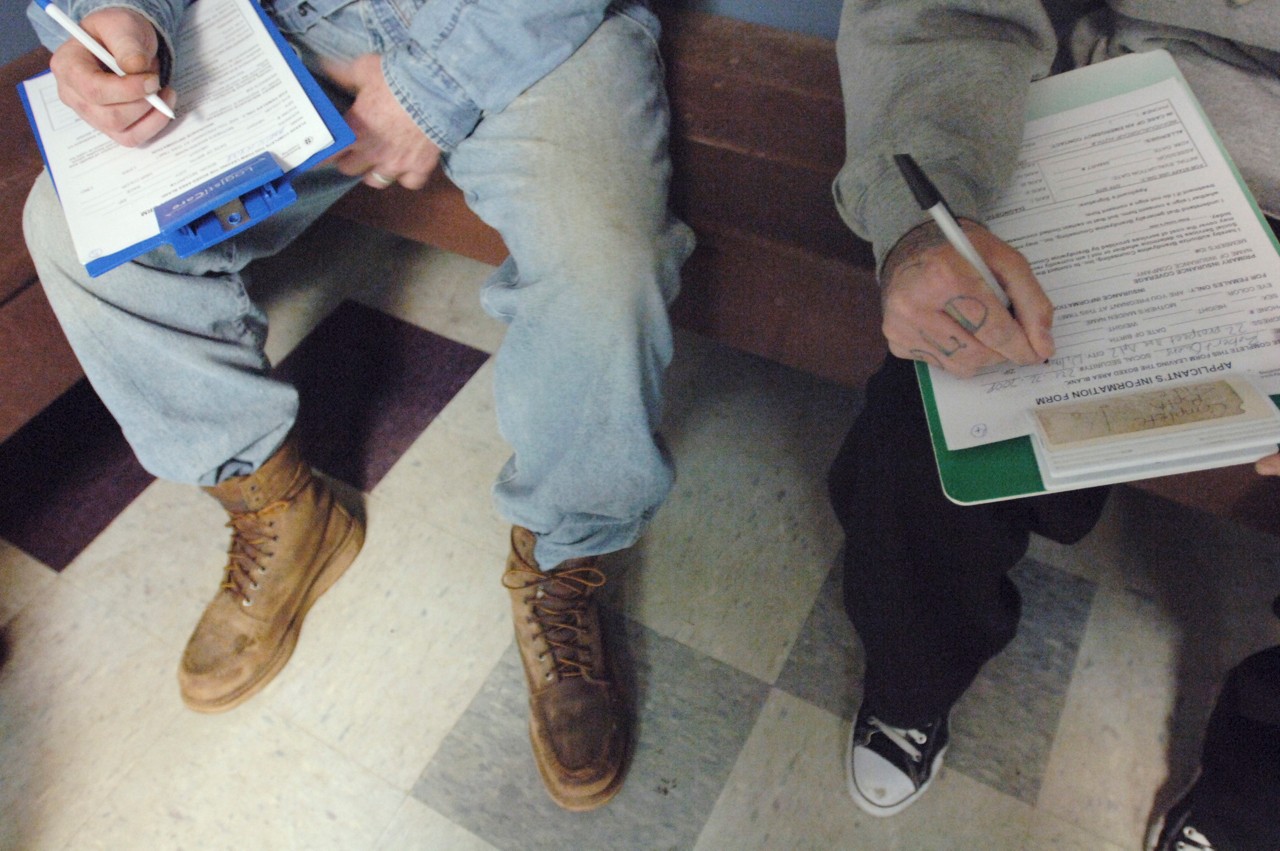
(815, 17)
(16, 37)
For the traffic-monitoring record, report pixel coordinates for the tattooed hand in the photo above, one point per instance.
(937, 308)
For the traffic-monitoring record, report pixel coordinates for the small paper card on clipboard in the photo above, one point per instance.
(1154, 432)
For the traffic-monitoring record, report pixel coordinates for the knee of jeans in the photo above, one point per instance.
(621, 271)
(48, 239)
(554, 295)
(43, 224)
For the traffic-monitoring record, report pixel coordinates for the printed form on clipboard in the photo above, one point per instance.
(1165, 280)
(249, 117)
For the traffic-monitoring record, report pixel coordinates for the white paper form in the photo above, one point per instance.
(1157, 264)
(237, 98)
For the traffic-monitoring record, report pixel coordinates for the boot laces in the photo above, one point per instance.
(252, 536)
(560, 607)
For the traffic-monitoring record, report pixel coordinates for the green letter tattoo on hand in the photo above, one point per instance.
(968, 312)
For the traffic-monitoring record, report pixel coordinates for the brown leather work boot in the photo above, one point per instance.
(576, 719)
(290, 541)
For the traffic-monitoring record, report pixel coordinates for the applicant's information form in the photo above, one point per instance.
(1152, 253)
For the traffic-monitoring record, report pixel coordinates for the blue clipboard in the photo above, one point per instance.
(237, 199)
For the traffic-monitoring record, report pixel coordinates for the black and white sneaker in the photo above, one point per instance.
(1177, 831)
(888, 767)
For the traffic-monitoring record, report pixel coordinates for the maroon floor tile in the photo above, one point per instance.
(64, 477)
(370, 384)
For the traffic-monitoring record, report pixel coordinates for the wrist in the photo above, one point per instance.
(922, 237)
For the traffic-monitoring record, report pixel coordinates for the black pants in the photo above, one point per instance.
(926, 587)
(1238, 793)
(925, 579)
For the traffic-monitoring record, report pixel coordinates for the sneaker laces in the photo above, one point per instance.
(906, 738)
(1197, 840)
(560, 608)
(252, 533)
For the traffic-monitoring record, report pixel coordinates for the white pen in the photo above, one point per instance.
(931, 201)
(96, 49)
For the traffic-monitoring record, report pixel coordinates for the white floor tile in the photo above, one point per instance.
(1106, 556)
(733, 560)
(439, 291)
(22, 579)
(83, 693)
(1108, 758)
(243, 780)
(159, 563)
(393, 654)
(1050, 833)
(446, 477)
(764, 409)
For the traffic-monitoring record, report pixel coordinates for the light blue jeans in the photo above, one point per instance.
(573, 174)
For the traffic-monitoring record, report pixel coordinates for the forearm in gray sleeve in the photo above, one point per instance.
(943, 81)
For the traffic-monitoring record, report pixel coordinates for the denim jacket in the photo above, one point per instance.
(447, 61)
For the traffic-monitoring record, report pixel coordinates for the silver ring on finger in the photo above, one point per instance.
(381, 179)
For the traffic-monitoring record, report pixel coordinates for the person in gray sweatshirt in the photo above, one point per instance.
(925, 580)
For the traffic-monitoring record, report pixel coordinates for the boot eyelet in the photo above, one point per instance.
(246, 602)
(550, 676)
(253, 585)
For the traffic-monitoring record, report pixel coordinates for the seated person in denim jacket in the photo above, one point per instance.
(552, 118)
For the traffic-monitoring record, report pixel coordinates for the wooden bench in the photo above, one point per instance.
(36, 364)
(757, 139)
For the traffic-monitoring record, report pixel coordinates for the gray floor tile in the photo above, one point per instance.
(1002, 729)
(694, 715)
(825, 665)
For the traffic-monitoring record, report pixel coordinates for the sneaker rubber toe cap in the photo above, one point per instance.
(878, 782)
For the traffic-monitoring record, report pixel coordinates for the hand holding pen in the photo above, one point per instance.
(960, 298)
(120, 104)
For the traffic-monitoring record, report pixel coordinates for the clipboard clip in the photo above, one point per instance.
(222, 207)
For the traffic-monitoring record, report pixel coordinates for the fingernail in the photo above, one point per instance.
(151, 85)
